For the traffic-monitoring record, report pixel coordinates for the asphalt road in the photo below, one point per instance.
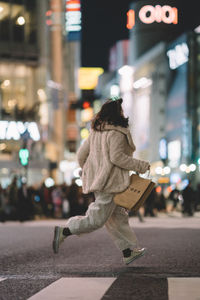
(27, 264)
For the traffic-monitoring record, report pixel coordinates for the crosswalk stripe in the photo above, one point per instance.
(184, 288)
(85, 288)
(90, 288)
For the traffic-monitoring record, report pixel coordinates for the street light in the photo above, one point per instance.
(163, 171)
(20, 21)
(188, 168)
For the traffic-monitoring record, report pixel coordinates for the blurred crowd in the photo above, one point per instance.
(186, 201)
(31, 202)
(22, 202)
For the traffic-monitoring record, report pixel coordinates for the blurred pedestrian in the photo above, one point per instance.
(106, 159)
(41, 193)
(72, 196)
(24, 207)
(65, 208)
(174, 197)
(65, 202)
(197, 200)
(188, 200)
(138, 214)
(3, 204)
(57, 201)
(150, 204)
(160, 203)
(13, 199)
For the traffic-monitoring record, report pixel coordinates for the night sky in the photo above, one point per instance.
(104, 22)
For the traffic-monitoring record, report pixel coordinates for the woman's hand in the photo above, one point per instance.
(144, 166)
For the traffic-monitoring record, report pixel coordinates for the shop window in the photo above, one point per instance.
(18, 26)
(16, 92)
(5, 11)
(31, 21)
(18, 21)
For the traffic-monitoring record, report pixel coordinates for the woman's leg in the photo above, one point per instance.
(121, 233)
(96, 216)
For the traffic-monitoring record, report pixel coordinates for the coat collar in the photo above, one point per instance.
(124, 130)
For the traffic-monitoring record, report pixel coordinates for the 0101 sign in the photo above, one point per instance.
(149, 14)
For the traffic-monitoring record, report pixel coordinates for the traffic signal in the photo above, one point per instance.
(86, 104)
(86, 100)
(24, 156)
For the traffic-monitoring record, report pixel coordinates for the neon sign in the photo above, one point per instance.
(88, 77)
(14, 130)
(178, 56)
(149, 14)
(73, 16)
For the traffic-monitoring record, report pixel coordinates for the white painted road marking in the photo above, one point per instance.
(93, 288)
(184, 288)
(84, 288)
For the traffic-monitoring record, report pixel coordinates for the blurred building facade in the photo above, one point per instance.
(159, 84)
(173, 85)
(35, 75)
(47, 100)
(23, 77)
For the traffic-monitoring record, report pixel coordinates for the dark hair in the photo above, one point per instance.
(110, 113)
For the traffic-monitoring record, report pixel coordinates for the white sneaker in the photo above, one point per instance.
(58, 238)
(136, 253)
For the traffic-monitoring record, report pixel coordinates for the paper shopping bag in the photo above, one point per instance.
(136, 194)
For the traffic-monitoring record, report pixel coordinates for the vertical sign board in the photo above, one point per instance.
(73, 20)
(176, 105)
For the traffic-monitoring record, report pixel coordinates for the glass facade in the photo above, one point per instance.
(16, 98)
(23, 99)
(18, 33)
(18, 58)
(176, 106)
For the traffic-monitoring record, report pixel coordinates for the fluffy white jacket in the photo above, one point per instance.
(106, 159)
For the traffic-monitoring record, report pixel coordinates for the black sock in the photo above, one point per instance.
(126, 252)
(66, 231)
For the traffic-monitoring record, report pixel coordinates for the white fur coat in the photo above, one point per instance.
(106, 159)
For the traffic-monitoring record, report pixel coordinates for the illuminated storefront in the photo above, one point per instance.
(160, 85)
(23, 101)
(182, 108)
(18, 27)
(23, 97)
(144, 102)
(178, 129)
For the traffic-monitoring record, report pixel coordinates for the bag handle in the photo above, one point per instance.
(148, 174)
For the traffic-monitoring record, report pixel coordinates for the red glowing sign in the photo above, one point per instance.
(86, 104)
(73, 15)
(130, 19)
(49, 21)
(73, 5)
(149, 14)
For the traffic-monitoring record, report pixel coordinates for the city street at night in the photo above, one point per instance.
(90, 267)
(99, 135)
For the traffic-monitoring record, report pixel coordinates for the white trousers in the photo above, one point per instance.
(105, 212)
